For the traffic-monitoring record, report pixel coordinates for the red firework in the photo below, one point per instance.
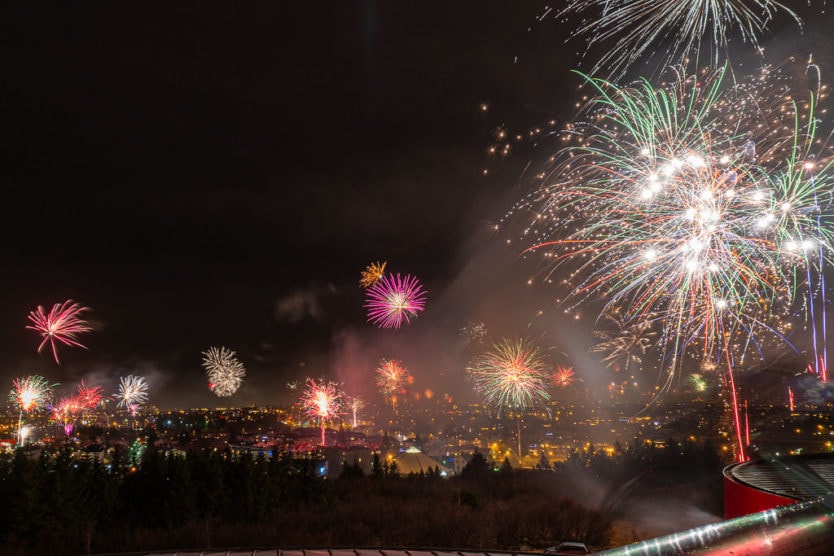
(322, 400)
(563, 376)
(88, 398)
(61, 323)
(391, 376)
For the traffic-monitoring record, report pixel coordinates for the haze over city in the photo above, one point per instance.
(223, 180)
(544, 272)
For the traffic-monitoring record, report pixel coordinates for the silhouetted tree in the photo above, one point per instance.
(477, 466)
(376, 466)
(352, 471)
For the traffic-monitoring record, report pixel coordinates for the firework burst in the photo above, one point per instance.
(698, 382)
(62, 323)
(132, 393)
(321, 400)
(224, 370)
(673, 209)
(372, 274)
(513, 375)
(394, 300)
(625, 346)
(474, 332)
(391, 377)
(563, 377)
(68, 409)
(693, 205)
(31, 393)
(670, 31)
(65, 412)
(88, 397)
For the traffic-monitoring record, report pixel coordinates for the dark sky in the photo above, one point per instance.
(219, 173)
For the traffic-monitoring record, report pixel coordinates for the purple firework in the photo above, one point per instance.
(394, 299)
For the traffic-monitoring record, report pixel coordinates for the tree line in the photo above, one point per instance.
(60, 503)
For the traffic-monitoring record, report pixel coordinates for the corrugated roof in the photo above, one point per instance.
(798, 477)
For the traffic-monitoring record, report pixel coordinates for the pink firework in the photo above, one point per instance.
(321, 400)
(61, 323)
(394, 299)
(66, 412)
(563, 376)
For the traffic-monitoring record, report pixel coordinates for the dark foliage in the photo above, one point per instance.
(61, 503)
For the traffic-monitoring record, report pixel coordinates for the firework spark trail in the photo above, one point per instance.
(61, 323)
(355, 404)
(669, 31)
(224, 370)
(688, 204)
(321, 400)
(820, 345)
(394, 300)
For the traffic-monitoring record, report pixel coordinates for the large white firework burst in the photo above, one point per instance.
(703, 205)
(132, 392)
(697, 204)
(224, 370)
(670, 31)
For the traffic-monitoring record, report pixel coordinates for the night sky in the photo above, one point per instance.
(217, 173)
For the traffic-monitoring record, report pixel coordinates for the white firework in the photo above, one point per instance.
(670, 31)
(132, 392)
(224, 370)
(355, 404)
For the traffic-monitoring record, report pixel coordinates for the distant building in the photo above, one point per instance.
(415, 461)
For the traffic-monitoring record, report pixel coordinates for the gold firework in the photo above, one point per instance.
(372, 273)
